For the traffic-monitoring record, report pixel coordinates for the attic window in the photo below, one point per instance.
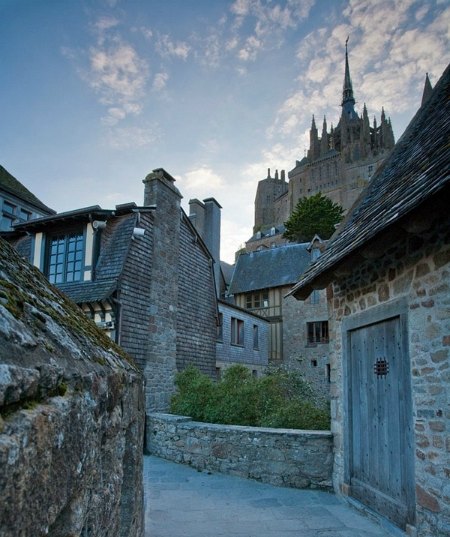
(65, 257)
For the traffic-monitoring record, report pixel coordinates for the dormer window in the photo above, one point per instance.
(65, 257)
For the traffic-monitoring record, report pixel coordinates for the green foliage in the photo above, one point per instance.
(278, 399)
(314, 215)
(194, 395)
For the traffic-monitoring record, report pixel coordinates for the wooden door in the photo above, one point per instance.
(380, 458)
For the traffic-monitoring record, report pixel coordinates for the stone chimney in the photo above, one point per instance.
(160, 361)
(206, 218)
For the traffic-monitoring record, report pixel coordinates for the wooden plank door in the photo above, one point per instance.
(380, 436)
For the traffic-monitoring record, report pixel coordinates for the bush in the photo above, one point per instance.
(279, 399)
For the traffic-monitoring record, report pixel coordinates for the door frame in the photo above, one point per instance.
(397, 308)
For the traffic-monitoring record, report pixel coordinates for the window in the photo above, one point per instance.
(313, 363)
(24, 215)
(220, 327)
(317, 332)
(260, 299)
(65, 257)
(255, 337)
(8, 216)
(237, 331)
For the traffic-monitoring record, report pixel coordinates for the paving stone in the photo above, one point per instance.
(187, 503)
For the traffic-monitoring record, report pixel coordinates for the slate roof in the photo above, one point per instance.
(115, 247)
(417, 169)
(273, 267)
(11, 185)
(83, 214)
(81, 292)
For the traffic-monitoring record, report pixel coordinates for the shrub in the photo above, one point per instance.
(279, 399)
(195, 394)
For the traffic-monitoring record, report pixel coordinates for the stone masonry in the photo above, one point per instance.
(71, 416)
(283, 457)
(160, 366)
(416, 268)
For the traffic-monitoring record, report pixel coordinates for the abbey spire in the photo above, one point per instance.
(348, 101)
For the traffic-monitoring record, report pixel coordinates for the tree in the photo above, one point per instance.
(314, 215)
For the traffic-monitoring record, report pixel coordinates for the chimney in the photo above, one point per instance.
(211, 235)
(161, 352)
(283, 176)
(197, 216)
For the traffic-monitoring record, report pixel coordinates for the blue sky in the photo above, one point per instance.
(97, 93)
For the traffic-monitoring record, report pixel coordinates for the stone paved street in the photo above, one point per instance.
(181, 502)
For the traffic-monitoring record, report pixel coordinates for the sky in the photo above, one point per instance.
(95, 94)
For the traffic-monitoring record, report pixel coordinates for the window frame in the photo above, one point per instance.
(237, 332)
(255, 337)
(317, 332)
(71, 259)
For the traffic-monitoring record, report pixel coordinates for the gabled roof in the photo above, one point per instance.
(417, 169)
(274, 267)
(10, 184)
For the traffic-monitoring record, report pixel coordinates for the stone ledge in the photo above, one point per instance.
(282, 457)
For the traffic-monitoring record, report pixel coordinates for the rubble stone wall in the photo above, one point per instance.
(282, 457)
(416, 269)
(71, 416)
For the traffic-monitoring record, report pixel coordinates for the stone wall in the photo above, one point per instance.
(282, 457)
(415, 268)
(311, 359)
(71, 416)
(197, 305)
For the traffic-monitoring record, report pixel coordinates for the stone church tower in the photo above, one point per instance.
(338, 163)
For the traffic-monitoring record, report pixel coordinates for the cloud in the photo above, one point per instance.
(160, 81)
(269, 20)
(250, 49)
(168, 48)
(201, 182)
(119, 76)
(123, 138)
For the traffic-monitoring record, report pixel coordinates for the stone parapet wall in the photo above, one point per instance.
(282, 457)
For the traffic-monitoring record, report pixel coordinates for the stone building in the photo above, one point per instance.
(298, 333)
(242, 338)
(17, 203)
(339, 163)
(71, 416)
(389, 272)
(144, 275)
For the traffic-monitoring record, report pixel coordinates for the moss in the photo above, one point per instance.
(29, 286)
(99, 360)
(31, 403)
(13, 298)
